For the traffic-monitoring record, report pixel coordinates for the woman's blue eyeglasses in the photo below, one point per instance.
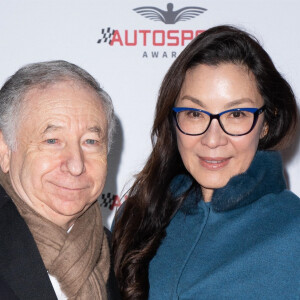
(235, 122)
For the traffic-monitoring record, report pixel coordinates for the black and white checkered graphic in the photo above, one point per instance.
(110, 201)
(107, 199)
(107, 34)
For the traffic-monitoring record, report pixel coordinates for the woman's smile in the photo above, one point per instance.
(214, 163)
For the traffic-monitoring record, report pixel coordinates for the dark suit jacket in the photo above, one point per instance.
(6, 292)
(22, 271)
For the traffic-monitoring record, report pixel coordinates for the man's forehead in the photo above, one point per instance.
(57, 105)
(62, 95)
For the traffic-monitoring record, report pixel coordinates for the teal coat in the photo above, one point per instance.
(245, 244)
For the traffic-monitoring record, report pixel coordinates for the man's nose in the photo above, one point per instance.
(73, 160)
(214, 136)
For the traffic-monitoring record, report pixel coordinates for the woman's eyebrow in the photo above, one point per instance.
(238, 102)
(194, 100)
(228, 105)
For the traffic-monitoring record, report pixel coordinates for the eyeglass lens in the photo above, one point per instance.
(233, 122)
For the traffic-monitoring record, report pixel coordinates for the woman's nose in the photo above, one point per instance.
(214, 136)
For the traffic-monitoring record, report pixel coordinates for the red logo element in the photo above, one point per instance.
(153, 37)
(116, 202)
(110, 201)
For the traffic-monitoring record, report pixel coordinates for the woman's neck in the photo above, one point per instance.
(207, 194)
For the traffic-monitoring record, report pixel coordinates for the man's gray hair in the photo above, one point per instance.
(41, 75)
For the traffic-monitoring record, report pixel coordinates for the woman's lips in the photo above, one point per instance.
(214, 163)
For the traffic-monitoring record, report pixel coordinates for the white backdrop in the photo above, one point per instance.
(131, 68)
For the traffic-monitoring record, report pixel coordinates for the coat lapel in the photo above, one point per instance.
(21, 265)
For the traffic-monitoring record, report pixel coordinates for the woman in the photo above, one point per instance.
(209, 217)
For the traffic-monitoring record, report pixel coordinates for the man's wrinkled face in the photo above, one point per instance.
(60, 163)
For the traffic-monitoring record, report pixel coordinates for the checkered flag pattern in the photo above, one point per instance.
(107, 199)
(107, 34)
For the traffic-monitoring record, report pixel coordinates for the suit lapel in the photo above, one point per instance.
(21, 265)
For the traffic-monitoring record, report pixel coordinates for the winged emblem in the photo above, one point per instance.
(170, 16)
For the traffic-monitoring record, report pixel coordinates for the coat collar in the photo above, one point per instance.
(264, 176)
(21, 265)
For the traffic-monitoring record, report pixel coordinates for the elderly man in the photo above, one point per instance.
(56, 127)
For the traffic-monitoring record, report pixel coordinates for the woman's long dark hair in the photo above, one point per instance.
(140, 226)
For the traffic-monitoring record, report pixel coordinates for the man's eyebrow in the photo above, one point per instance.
(95, 129)
(51, 127)
(195, 100)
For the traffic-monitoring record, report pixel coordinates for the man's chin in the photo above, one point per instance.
(68, 206)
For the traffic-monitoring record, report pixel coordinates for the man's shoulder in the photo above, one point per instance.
(6, 293)
(21, 267)
(5, 200)
(10, 220)
(112, 285)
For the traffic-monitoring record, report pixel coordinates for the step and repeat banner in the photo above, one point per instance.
(128, 46)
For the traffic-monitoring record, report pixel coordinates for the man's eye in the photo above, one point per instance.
(51, 141)
(91, 141)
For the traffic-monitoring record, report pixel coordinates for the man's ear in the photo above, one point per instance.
(4, 154)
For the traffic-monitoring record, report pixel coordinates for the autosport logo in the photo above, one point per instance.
(155, 38)
(111, 201)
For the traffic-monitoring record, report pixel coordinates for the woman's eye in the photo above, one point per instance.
(237, 114)
(51, 141)
(193, 114)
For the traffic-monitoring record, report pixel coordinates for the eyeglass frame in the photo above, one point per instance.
(255, 111)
